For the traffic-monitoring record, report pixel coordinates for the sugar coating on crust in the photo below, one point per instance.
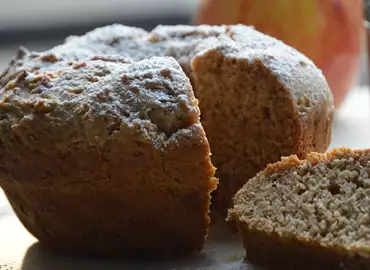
(307, 86)
(117, 92)
(305, 83)
(181, 40)
(291, 68)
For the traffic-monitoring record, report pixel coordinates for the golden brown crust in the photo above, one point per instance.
(153, 203)
(292, 161)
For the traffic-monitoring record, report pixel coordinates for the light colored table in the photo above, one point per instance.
(18, 250)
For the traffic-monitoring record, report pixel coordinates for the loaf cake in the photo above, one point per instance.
(308, 214)
(106, 155)
(259, 98)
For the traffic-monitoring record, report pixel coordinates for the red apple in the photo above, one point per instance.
(327, 31)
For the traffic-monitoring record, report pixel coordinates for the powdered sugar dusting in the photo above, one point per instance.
(184, 43)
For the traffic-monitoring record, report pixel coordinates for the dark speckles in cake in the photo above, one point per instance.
(43, 106)
(155, 85)
(36, 91)
(134, 90)
(148, 76)
(49, 58)
(109, 58)
(76, 90)
(79, 65)
(114, 41)
(166, 73)
(102, 72)
(92, 79)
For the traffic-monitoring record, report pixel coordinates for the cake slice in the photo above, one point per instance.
(308, 214)
(106, 156)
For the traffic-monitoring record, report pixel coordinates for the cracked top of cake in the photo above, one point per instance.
(99, 97)
(116, 48)
(182, 42)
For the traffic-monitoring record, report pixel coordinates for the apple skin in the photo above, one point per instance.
(327, 31)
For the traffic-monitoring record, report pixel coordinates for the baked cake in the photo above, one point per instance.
(259, 98)
(106, 155)
(102, 148)
(308, 214)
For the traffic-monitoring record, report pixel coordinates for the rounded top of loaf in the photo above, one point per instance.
(93, 99)
(184, 42)
(304, 83)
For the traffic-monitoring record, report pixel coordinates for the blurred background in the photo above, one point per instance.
(41, 24)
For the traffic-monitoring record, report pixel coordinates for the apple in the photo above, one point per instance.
(327, 31)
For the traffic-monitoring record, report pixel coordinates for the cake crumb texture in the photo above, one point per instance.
(312, 213)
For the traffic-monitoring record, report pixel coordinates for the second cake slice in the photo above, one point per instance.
(308, 214)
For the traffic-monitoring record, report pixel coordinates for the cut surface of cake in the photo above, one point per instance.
(308, 214)
(259, 98)
(106, 155)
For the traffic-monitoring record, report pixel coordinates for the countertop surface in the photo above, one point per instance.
(20, 251)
